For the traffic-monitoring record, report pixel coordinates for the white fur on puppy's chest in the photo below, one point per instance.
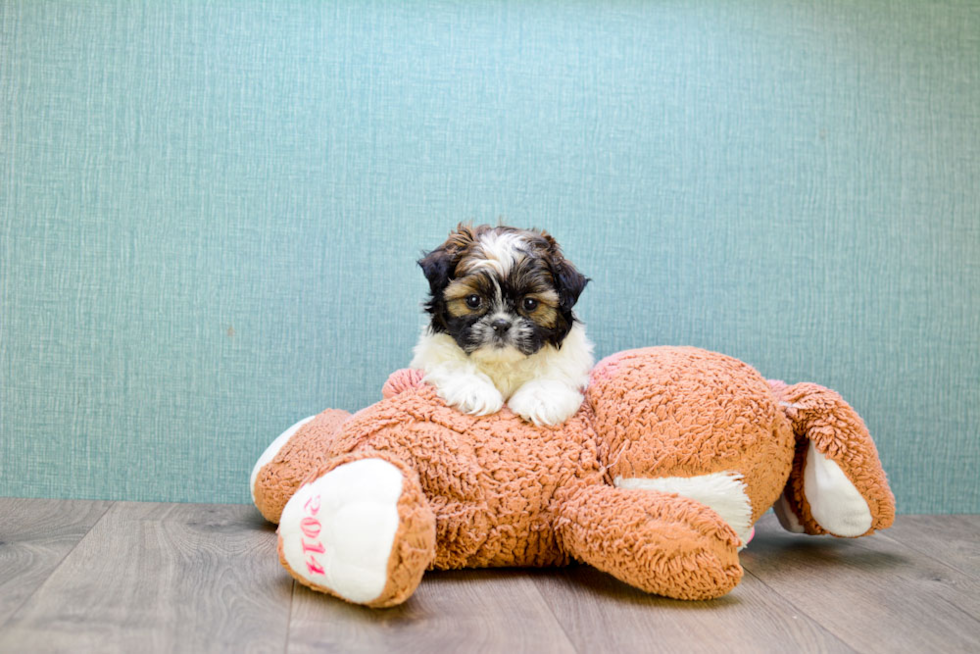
(723, 492)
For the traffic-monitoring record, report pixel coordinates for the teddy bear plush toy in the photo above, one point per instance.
(657, 480)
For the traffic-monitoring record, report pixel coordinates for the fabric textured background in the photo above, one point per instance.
(211, 211)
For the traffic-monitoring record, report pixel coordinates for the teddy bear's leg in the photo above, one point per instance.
(359, 528)
(660, 542)
(290, 458)
(837, 484)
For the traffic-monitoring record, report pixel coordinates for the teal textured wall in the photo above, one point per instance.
(211, 211)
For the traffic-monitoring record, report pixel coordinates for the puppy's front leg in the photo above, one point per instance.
(545, 401)
(464, 387)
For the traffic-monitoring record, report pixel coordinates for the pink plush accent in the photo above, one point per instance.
(401, 380)
(607, 368)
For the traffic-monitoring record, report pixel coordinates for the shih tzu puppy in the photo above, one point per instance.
(502, 327)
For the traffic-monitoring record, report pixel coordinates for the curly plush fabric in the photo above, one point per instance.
(491, 482)
(656, 480)
(278, 480)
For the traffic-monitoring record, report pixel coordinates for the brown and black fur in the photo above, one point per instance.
(456, 271)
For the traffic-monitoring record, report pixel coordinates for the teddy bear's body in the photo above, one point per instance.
(657, 480)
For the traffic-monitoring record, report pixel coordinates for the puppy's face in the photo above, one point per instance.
(501, 293)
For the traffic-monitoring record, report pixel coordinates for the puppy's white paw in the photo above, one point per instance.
(473, 394)
(545, 402)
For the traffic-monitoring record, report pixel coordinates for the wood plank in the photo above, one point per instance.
(600, 613)
(874, 593)
(952, 539)
(162, 577)
(459, 611)
(35, 536)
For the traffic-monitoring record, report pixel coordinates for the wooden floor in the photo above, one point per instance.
(128, 577)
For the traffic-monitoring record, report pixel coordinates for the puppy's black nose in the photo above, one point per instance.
(500, 325)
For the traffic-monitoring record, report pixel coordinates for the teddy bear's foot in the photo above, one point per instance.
(659, 542)
(834, 503)
(290, 458)
(360, 530)
(837, 484)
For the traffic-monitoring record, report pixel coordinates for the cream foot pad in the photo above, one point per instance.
(338, 531)
(835, 503)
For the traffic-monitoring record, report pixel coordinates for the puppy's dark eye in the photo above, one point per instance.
(530, 304)
(473, 301)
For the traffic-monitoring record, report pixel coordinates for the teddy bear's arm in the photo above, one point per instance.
(659, 542)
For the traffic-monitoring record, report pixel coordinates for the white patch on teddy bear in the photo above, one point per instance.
(722, 492)
(835, 503)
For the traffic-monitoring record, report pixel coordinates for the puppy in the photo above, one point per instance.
(502, 327)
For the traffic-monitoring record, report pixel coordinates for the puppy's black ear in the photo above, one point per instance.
(437, 266)
(570, 283)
